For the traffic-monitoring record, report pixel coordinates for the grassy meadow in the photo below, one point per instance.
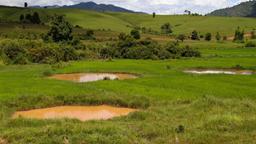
(174, 107)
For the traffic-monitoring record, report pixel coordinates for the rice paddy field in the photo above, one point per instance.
(172, 107)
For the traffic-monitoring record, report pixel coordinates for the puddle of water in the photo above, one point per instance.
(83, 113)
(90, 77)
(228, 72)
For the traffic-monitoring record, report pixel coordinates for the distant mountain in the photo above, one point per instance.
(244, 9)
(92, 6)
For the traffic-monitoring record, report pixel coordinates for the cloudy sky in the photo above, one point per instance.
(149, 6)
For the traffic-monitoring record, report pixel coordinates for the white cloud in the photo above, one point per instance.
(159, 6)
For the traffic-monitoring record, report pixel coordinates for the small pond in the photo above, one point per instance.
(83, 113)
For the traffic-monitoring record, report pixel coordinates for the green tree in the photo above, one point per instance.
(181, 37)
(166, 28)
(239, 35)
(135, 34)
(61, 30)
(35, 19)
(25, 4)
(154, 14)
(218, 36)
(28, 18)
(194, 35)
(22, 18)
(208, 37)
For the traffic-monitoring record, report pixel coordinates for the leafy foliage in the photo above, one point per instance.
(135, 34)
(194, 35)
(61, 30)
(208, 37)
(239, 35)
(166, 28)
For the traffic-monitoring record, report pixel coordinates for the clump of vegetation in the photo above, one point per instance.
(208, 36)
(181, 37)
(250, 44)
(166, 28)
(194, 35)
(89, 35)
(25, 51)
(61, 30)
(135, 34)
(218, 36)
(239, 35)
(154, 14)
(128, 47)
(28, 18)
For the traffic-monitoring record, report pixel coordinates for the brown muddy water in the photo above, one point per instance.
(91, 77)
(220, 71)
(82, 113)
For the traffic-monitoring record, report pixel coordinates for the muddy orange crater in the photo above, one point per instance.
(90, 77)
(83, 113)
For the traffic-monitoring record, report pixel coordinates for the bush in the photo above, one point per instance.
(190, 52)
(13, 53)
(181, 37)
(250, 44)
(239, 35)
(218, 37)
(208, 36)
(60, 30)
(89, 35)
(194, 35)
(25, 51)
(166, 28)
(135, 34)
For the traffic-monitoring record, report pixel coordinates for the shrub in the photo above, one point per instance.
(166, 28)
(13, 53)
(208, 36)
(239, 35)
(60, 30)
(135, 34)
(24, 51)
(194, 35)
(89, 35)
(218, 36)
(250, 44)
(190, 52)
(181, 37)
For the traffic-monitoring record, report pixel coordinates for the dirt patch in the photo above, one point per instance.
(83, 113)
(220, 71)
(2, 141)
(90, 77)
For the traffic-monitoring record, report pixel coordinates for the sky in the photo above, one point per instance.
(148, 6)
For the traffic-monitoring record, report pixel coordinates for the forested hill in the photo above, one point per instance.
(244, 9)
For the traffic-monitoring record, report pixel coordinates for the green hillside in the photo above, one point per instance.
(123, 22)
(245, 9)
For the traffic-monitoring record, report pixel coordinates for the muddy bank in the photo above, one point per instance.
(83, 113)
(220, 71)
(91, 77)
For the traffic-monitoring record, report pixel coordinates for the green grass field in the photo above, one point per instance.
(174, 107)
(211, 108)
(122, 22)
